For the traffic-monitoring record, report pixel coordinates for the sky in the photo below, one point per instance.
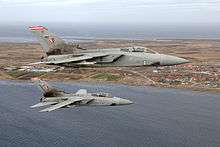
(111, 11)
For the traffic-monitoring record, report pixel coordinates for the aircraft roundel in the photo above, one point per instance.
(51, 40)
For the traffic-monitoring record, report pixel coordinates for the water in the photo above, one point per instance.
(159, 117)
(85, 32)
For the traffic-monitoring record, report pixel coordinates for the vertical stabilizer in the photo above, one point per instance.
(48, 91)
(48, 41)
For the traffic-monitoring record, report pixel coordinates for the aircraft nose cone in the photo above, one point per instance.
(126, 102)
(129, 102)
(172, 60)
(181, 61)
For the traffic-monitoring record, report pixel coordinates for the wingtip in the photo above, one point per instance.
(32, 107)
(44, 111)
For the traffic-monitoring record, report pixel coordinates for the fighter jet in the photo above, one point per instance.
(59, 99)
(54, 46)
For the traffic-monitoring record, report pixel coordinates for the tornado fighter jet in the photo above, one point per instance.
(55, 99)
(54, 46)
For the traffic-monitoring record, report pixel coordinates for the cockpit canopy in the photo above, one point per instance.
(134, 49)
(102, 94)
(138, 49)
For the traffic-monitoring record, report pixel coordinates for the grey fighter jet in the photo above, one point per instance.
(59, 99)
(54, 46)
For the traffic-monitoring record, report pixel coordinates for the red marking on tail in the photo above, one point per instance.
(37, 28)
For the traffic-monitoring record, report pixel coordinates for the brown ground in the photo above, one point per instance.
(204, 55)
(195, 50)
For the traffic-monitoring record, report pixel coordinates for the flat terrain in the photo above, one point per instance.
(197, 51)
(159, 117)
(203, 73)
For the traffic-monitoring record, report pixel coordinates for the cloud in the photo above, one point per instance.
(111, 10)
(154, 3)
(44, 2)
(113, 4)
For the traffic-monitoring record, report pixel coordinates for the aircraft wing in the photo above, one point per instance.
(73, 59)
(60, 105)
(43, 104)
(78, 59)
(36, 63)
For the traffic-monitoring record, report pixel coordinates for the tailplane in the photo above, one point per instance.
(48, 91)
(49, 41)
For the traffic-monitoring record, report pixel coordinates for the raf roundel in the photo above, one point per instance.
(51, 40)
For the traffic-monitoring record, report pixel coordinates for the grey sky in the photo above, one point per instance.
(112, 11)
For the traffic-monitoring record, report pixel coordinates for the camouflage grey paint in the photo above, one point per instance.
(131, 56)
(58, 98)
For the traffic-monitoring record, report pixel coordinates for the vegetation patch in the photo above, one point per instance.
(106, 76)
(16, 73)
(23, 74)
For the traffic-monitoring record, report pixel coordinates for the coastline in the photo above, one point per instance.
(203, 73)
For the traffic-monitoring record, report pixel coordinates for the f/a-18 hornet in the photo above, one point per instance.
(130, 56)
(59, 99)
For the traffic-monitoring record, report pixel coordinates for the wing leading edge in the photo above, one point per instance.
(60, 105)
(78, 59)
(42, 104)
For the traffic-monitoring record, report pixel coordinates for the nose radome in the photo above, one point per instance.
(172, 60)
(126, 102)
(129, 102)
(181, 60)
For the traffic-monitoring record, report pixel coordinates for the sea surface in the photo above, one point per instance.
(159, 117)
(85, 32)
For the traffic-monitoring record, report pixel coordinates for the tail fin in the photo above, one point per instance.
(48, 91)
(48, 41)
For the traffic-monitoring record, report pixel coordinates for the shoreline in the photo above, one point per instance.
(115, 83)
(206, 90)
(203, 73)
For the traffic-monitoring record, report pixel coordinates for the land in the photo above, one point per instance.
(203, 73)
